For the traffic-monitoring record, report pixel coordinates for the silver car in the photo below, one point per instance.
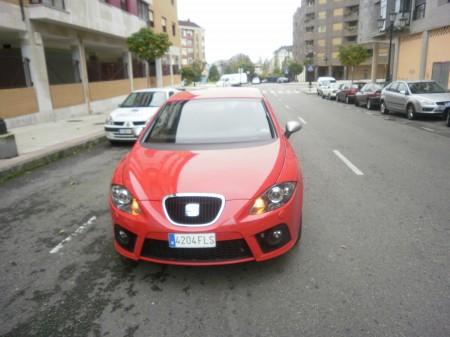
(414, 98)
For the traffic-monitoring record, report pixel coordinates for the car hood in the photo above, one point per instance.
(441, 97)
(133, 114)
(236, 173)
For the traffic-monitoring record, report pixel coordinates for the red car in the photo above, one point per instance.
(212, 180)
(347, 91)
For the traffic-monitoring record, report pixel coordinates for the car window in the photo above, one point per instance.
(171, 93)
(212, 121)
(393, 87)
(425, 88)
(144, 99)
(402, 87)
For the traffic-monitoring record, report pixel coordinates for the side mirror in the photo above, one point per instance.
(291, 127)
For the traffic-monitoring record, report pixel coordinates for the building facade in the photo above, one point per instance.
(61, 58)
(320, 27)
(421, 37)
(281, 57)
(192, 43)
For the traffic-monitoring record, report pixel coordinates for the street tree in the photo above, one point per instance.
(240, 61)
(213, 74)
(352, 56)
(193, 73)
(148, 45)
(294, 69)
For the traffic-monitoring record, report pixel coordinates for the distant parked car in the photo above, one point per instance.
(128, 120)
(323, 82)
(347, 92)
(414, 98)
(256, 80)
(369, 96)
(282, 80)
(329, 91)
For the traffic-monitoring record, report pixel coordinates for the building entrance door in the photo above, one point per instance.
(441, 72)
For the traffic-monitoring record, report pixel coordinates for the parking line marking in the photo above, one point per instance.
(78, 231)
(301, 120)
(288, 91)
(349, 164)
(427, 129)
(280, 92)
(288, 107)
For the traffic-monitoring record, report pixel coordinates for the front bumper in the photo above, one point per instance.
(122, 133)
(236, 235)
(433, 109)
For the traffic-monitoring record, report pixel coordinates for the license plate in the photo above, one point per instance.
(447, 105)
(192, 240)
(125, 131)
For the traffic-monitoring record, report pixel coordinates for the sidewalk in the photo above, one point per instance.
(44, 142)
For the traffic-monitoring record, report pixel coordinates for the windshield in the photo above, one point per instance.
(212, 121)
(425, 88)
(144, 99)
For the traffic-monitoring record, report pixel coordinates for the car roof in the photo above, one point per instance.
(212, 93)
(155, 90)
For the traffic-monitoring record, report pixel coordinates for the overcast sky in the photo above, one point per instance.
(252, 27)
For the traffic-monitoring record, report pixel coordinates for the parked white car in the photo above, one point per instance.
(323, 82)
(330, 90)
(232, 80)
(129, 119)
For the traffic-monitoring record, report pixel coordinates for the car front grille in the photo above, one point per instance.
(224, 250)
(208, 207)
(119, 123)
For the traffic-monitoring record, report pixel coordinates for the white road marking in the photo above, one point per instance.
(301, 120)
(288, 91)
(347, 162)
(288, 107)
(264, 92)
(427, 129)
(369, 113)
(296, 91)
(78, 231)
(280, 92)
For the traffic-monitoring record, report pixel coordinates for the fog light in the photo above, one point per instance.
(125, 238)
(273, 238)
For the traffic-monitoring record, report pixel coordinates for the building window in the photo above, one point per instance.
(172, 2)
(174, 29)
(337, 26)
(322, 29)
(322, 15)
(335, 55)
(124, 5)
(310, 3)
(14, 69)
(321, 43)
(338, 12)
(58, 4)
(309, 43)
(310, 29)
(164, 24)
(322, 2)
(151, 20)
(143, 10)
(337, 41)
(419, 10)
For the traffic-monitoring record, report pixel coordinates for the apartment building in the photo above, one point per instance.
(192, 42)
(320, 27)
(421, 36)
(62, 58)
(281, 57)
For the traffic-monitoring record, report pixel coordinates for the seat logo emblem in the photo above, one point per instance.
(192, 210)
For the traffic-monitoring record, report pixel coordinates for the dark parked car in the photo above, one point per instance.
(369, 96)
(347, 92)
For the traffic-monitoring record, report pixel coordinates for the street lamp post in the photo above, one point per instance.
(390, 26)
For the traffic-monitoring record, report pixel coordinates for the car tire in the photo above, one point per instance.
(383, 108)
(410, 112)
(369, 104)
(347, 100)
(448, 118)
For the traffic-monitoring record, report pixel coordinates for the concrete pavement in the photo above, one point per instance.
(43, 142)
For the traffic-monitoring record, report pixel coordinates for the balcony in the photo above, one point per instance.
(11, 18)
(89, 15)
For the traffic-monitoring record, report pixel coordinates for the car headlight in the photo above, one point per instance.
(109, 121)
(275, 197)
(124, 201)
(425, 101)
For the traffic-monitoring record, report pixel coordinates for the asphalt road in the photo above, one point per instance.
(374, 258)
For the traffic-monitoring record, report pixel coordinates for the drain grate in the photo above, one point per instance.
(74, 121)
